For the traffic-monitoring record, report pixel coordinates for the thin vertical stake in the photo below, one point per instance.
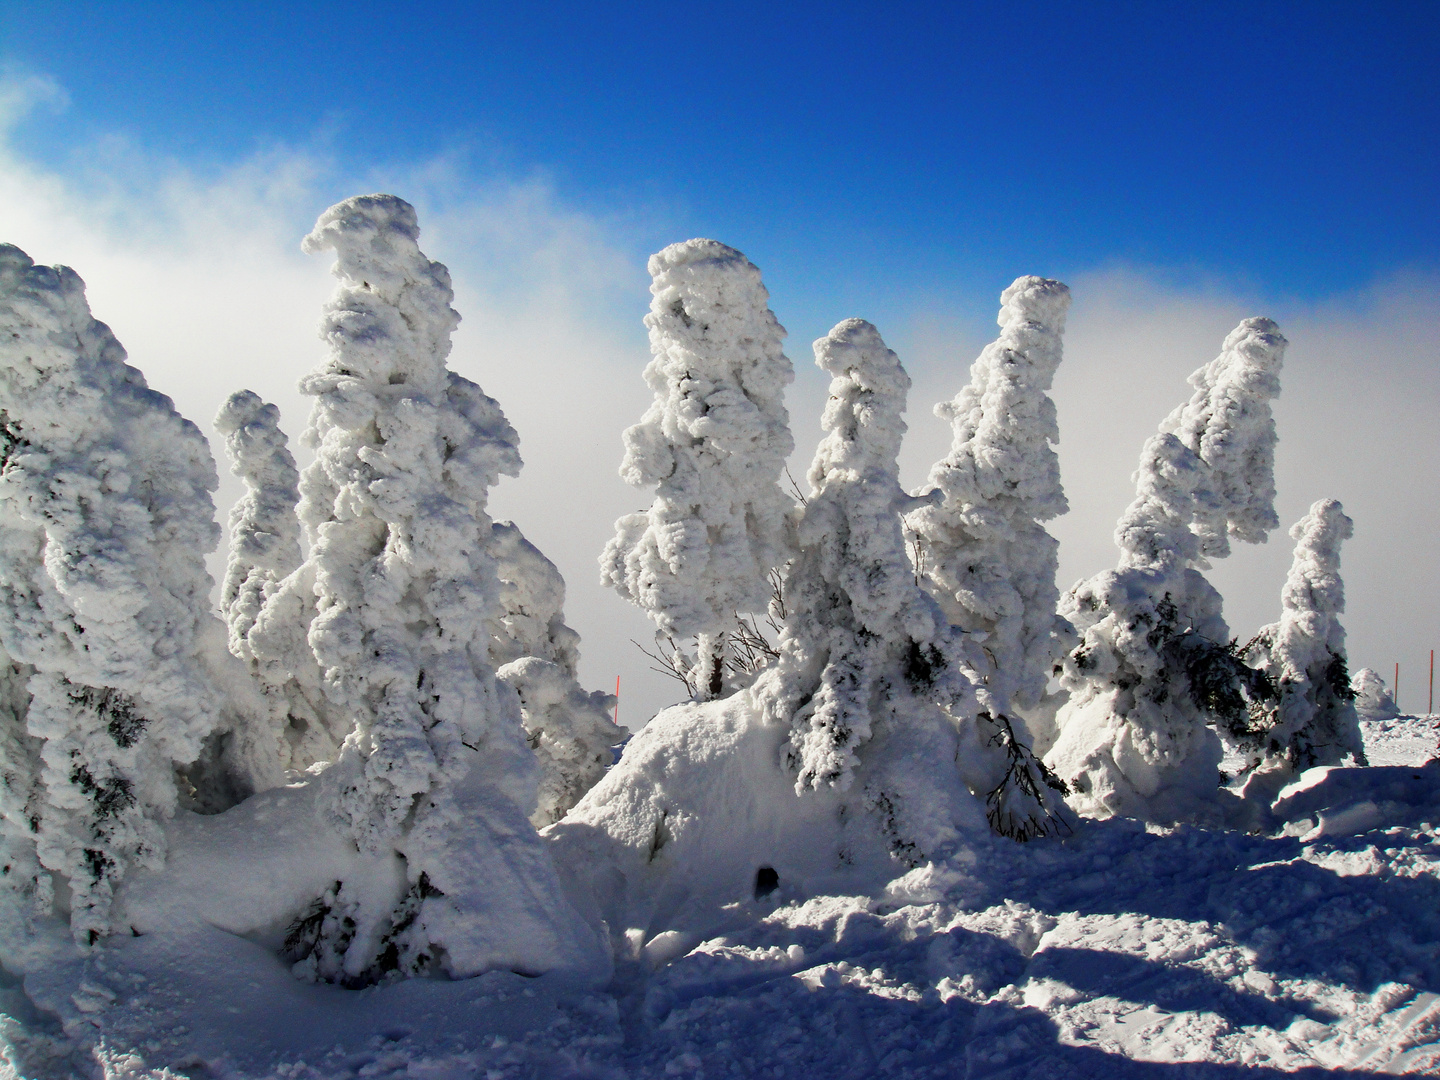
(1431, 710)
(617, 700)
(1396, 695)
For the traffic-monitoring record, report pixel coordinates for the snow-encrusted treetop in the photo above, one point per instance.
(1313, 584)
(264, 531)
(1155, 529)
(715, 442)
(1229, 424)
(982, 552)
(1004, 421)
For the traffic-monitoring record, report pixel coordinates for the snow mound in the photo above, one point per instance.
(700, 816)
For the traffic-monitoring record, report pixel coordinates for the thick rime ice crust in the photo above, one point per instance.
(1133, 739)
(536, 655)
(1372, 699)
(405, 587)
(105, 519)
(1315, 722)
(1228, 423)
(982, 552)
(861, 638)
(714, 442)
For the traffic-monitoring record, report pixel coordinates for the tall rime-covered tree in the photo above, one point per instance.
(1153, 667)
(982, 551)
(537, 655)
(115, 667)
(267, 610)
(436, 767)
(1314, 722)
(714, 442)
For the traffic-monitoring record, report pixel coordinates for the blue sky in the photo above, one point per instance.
(1180, 167)
(1290, 146)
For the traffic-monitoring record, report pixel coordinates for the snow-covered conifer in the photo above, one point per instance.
(105, 520)
(1372, 697)
(857, 621)
(1314, 721)
(714, 442)
(436, 767)
(267, 605)
(1154, 666)
(982, 552)
(536, 654)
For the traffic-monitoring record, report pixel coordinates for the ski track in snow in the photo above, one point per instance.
(1122, 952)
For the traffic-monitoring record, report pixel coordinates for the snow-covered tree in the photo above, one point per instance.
(863, 646)
(394, 505)
(714, 442)
(982, 552)
(1154, 666)
(267, 605)
(106, 517)
(537, 655)
(1373, 700)
(1314, 721)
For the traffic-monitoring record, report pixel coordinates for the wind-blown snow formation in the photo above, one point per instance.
(116, 680)
(714, 442)
(436, 766)
(1152, 661)
(1314, 722)
(982, 552)
(536, 654)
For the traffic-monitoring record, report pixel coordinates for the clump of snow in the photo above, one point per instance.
(714, 442)
(1152, 667)
(982, 552)
(1314, 722)
(436, 767)
(1372, 698)
(536, 654)
(105, 520)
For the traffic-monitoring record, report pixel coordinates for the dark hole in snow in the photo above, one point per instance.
(766, 882)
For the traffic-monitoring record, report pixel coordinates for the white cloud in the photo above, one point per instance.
(201, 276)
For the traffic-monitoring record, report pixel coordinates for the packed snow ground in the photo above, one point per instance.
(1121, 951)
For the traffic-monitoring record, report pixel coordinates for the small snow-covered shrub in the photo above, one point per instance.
(1314, 721)
(116, 680)
(1154, 667)
(714, 443)
(1373, 700)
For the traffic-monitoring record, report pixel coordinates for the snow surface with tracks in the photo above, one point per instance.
(1121, 951)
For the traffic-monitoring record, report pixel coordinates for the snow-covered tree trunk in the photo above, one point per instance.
(436, 767)
(1154, 667)
(1372, 697)
(105, 520)
(714, 442)
(537, 655)
(982, 552)
(1314, 721)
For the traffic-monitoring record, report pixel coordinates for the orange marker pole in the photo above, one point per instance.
(617, 700)
(1396, 692)
(1430, 711)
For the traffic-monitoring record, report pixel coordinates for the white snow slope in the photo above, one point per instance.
(1120, 952)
